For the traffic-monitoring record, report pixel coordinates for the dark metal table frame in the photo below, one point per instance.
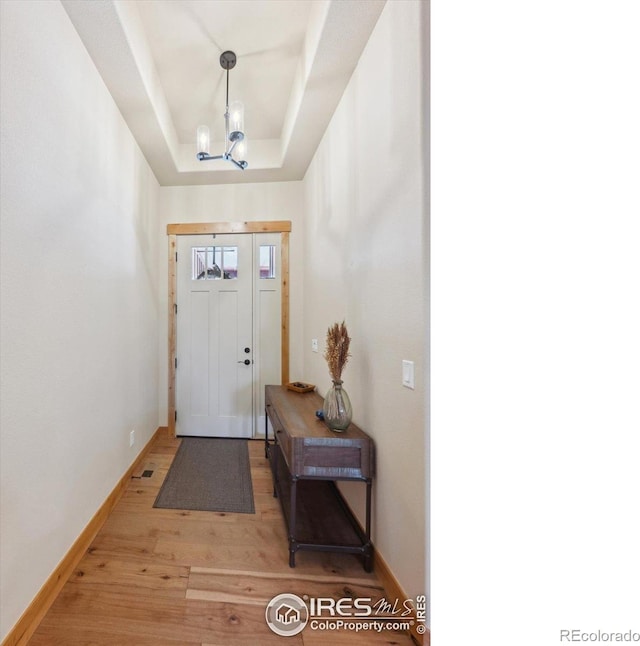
(366, 549)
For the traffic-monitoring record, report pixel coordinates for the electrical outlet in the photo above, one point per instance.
(132, 437)
(314, 345)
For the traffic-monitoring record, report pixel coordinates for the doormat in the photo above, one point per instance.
(209, 474)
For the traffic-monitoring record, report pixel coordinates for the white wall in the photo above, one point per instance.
(366, 250)
(231, 203)
(79, 307)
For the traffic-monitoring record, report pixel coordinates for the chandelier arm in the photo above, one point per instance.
(241, 164)
(233, 145)
(207, 157)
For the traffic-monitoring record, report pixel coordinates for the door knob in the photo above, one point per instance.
(247, 362)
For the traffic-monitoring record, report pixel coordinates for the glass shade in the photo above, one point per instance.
(203, 139)
(236, 117)
(241, 149)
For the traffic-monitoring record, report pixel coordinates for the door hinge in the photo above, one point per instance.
(175, 308)
(175, 365)
(176, 256)
(175, 416)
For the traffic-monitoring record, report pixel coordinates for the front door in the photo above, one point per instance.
(215, 358)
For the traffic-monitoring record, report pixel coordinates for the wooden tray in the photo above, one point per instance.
(300, 387)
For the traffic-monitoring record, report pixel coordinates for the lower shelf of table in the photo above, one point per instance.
(323, 521)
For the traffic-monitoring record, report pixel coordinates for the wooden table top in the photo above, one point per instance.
(297, 412)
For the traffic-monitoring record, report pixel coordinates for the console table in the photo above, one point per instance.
(307, 459)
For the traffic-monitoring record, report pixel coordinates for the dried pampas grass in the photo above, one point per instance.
(337, 351)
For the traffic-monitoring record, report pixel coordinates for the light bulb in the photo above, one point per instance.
(202, 139)
(236, 117)
(240, 151)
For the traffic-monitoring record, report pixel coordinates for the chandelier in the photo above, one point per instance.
(233, 124)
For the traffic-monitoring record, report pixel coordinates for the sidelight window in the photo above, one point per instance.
(267, 261)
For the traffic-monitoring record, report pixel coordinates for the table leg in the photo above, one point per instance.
(368, 512)
(368, 564)
(292, 523)
(276, 469)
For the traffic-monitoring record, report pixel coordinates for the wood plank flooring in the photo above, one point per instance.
(162, 577)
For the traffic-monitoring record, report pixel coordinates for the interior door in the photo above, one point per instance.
(214, 368)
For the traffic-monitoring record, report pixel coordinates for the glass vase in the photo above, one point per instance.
(337, 408)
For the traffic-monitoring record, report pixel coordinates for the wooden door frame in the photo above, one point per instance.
(283, 227)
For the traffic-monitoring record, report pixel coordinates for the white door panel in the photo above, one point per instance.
(214, 386)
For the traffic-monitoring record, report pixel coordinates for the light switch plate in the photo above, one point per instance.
(314, 345)
(408, 378)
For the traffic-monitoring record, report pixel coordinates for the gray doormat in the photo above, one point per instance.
(209, 474)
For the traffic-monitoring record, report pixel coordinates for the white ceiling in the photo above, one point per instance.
(160, 61)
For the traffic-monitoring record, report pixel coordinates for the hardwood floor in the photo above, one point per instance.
(160, 577)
